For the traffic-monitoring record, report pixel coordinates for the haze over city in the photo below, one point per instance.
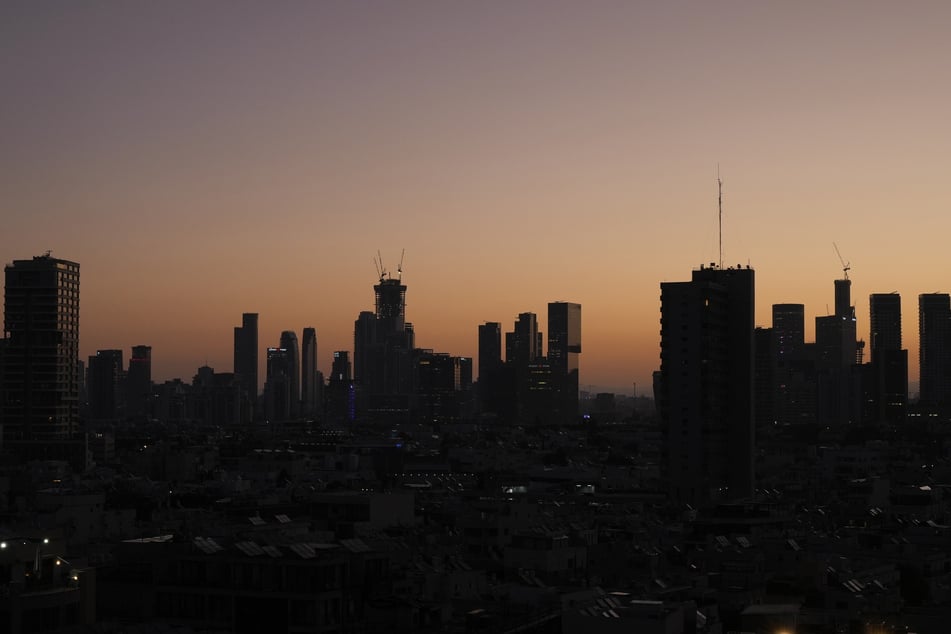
(204, 160)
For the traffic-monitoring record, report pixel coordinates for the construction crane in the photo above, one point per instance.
(845, 265)
(399, 269)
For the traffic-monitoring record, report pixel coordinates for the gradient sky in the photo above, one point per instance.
(203, 159)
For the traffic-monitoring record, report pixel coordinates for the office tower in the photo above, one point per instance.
(367, 353)
(246, 354)
(105, 385)
(934, 337)
(289, 343)
(887, 392)
(277, 385)
(41, 321)
(490, 366)
(564, 350)
(704, 389)
(383, 345)
(341, 403)
(789, 329)
(884, 322)
(837, 355)
(309, 372)
(139, 382)
(522, 344)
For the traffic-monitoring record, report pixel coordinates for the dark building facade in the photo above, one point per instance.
(704, 389)
(139, 382)
(490, 366)
(246, 354)
(104, 385)
(290, 344)
(934, 336)
(888, 376)
(310, 391)
(564, 351)
(277, 385)
(41, 377)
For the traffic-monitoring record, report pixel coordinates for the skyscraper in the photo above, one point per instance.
(309, 391)
(277, 385)
(490, 365)
(789, 329)
(564, 350)
(105, 385)
(934, 334)
(888, 392)
(41, 321)
(246, 354)
(704, 389)
(289, 343)
(139, 382)
(837, 353)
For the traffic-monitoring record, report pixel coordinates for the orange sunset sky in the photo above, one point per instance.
(203, 159)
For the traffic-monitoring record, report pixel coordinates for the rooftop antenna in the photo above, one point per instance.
(720, 211)
(845, 265)
(399, 269)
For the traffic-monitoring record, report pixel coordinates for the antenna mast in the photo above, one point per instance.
(720, 211)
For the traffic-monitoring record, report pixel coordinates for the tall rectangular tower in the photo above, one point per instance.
(289, 343)
(889, 363)
(41, 322)
(246, 354)
(705, 384)
(564, 350)
(934, 333)
(139, 382)
(308, 372)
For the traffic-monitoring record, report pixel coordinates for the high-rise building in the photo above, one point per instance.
(341, 404)
(564, 350)
(888, 374)
(789, 329)
(704, 389)
(490, 366)
(105, 385)
(289, 343)
(934, 335)
(246, 354)
(837, 355)
(277, 385)
(309, 388)
(41, 322)
(139, 382)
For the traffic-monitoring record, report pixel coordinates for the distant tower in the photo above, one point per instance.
(41, 322)
(105, 385)
(490, 365)
(277, 385)
(139, 382)
(289, 343)
(246, 354)
(309, 387)
(934, 333)
(564, 350)
(789, 329)
(340, 389)
(889, 363)
(704, 389)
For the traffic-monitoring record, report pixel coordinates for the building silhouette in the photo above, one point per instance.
(341, 392)
(792, 368)
(887, 390)
(490, 367)
(104, 385)
(277, 385)
(564, 350)
(246, 355)
(290, 344)
(934, 336)
(837, 355)
(383, 352)
(310, 390)
(704, 388)
(139, 382)
(41, 376)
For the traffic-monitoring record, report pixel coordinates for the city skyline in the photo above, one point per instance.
(249, 159)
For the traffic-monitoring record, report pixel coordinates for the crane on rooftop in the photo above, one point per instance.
(845, 265)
